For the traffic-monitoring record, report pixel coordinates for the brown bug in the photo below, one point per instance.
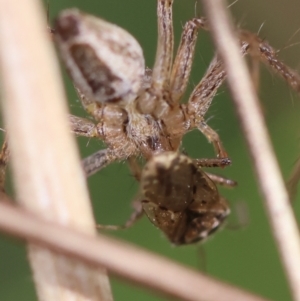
(165, 179)
(138, 111)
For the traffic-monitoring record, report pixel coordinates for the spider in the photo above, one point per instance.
(138, 111)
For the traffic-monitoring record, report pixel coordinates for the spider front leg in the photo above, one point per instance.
(203, 94)
(184, 58)
(213, 137)
(200, 101)
(164, 52)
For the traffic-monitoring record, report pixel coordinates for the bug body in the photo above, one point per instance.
(180, 199)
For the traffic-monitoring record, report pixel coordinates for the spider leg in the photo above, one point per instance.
(164, 52)
(293, 181)
(83, 127)
(184, 58)
(4, 157)
(214, 138)
(200, 101)
(97, 161)
(262, 51)
(201, 98)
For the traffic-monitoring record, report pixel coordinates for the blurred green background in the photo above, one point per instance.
(245, 257)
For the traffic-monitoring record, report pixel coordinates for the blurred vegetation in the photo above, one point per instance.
(246, 257)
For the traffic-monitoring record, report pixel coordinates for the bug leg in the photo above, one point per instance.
(242, 220)
(164, 52)
(216, 162)
(212, 162)
(136, 204)
(135, 168)
(220, 180)
(135, 216)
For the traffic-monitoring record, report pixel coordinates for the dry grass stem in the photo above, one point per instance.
(269, 177)
(121, 259)
(43, 152)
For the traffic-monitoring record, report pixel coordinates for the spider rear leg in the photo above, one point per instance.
(293, 181)
(95, 162)
(4, 157)
(201, 98)
(262, 51)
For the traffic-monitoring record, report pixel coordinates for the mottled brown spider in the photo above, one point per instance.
(138, 112)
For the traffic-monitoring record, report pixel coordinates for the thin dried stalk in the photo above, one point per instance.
(280, 213)
(47, 174)
(121, 259)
